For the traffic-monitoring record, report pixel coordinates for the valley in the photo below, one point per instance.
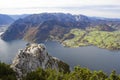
(101, 39)
(75, 39)
(59, 39)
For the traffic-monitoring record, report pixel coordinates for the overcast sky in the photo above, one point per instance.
(101, 8)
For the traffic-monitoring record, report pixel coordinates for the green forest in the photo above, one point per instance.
(101, 39)
(79, 73)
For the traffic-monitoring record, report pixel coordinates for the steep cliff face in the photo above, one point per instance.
(33, 57)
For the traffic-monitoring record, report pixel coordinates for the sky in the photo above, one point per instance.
(100, 8)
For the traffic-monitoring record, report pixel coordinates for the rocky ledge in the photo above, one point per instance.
(34, 56)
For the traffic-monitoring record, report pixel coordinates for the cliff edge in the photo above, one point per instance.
(33, 57)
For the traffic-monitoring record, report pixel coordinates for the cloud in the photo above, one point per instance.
(102, 8)
(100, 11)
(54, 3)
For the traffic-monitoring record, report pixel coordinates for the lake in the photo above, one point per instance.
(92, 57)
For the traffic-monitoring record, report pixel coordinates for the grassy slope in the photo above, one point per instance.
(102, 39)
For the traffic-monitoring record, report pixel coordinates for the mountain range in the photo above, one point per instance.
(15, 17)
(45, 26)
(5, 19)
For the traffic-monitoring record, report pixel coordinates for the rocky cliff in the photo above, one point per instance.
(34, 56)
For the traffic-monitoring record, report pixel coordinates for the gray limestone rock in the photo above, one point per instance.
(33, 57)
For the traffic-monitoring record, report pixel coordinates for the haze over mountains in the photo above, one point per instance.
(5, 19)
(44, 26)
(15, 17)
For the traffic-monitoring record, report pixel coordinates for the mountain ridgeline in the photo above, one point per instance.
(5, 19)
(53, 26)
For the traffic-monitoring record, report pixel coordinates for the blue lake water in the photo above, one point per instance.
(92, 57)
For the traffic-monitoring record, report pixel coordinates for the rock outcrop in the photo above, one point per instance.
(34, 56)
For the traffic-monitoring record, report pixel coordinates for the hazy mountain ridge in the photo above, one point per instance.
(15, 17)
(5, 19)
(44, 26)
